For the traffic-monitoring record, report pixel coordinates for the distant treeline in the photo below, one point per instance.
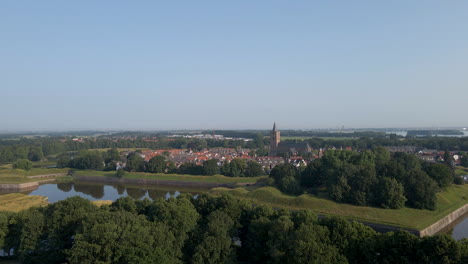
(428, 133)
(208, 229)
(437, 143)
(38, 148)
(297, 133)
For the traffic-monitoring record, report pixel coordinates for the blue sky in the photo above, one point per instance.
(232, 64)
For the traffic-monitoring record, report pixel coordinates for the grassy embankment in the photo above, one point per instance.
(15, 202)
(447, 201)
(461, 171)
(170, 177)
(8, 175)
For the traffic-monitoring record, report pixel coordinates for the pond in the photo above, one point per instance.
(96, 191)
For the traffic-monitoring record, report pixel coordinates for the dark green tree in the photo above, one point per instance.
(464, 160)
(312, 175)
(190, 168)
(121, 237)
(120, 173)
(63, 219)
(3, 228)
(88, 160)
(236, 168)
(63, 161)
(210, 167)
(389, 194)
(311, 244)
(439, 249)
(25, 235)
(35, 153)
(216, 244)
(135, 162)
(448, 159)
(179, 215)
(392, 247)
(253, 169)
(112, 154)
(286, 178)
(156, 164)
(440, 173)
(126, 203)
(420, 190)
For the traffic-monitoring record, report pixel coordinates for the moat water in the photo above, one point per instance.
(95, 191)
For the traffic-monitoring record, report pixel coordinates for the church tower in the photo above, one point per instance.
(274, 140)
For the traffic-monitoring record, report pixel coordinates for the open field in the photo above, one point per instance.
(15, 202)
(447, 201)
(20, 176)
(170, 177)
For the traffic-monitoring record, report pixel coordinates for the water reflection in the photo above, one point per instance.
(155, 194)
(120, 189)
(457, 229)
(95, 191)
(65, 186)
(136, 193)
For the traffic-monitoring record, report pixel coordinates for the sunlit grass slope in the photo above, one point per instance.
(15, 202)
(447, 201)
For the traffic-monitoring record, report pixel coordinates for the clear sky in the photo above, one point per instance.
(232, 64)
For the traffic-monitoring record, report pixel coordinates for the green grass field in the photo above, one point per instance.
(15, 202)
(172, 177)
(461, 171)
(447, 201)
(8, 175)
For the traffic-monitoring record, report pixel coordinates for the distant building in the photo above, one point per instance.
(289, 148)
(275, 138)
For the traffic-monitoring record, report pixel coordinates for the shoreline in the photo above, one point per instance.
(432, 229)
(444, 222)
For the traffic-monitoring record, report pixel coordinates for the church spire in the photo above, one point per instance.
(274, 126)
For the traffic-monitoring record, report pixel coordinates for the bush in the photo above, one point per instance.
(120, 173)
(458, 180)
(22, 164)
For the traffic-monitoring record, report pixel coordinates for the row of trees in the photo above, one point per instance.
(365, 143)
(375, 178)
(39, 148)
(16, 152)
(209, 229)
(108, 161)
(158, 164)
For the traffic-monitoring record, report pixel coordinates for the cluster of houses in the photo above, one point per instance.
(223, 155)
(429, 155)
(209, 136)
(226, 155)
